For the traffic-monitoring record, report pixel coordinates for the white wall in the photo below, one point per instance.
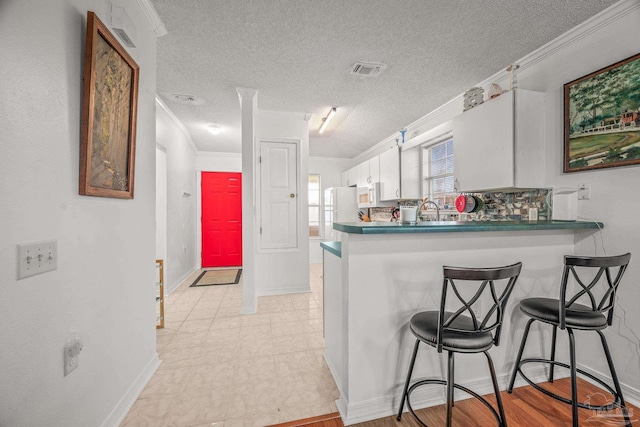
(182, 217)
(329, 169)
(595, 44)
(218, 162)
(104, 285)
(283, 272)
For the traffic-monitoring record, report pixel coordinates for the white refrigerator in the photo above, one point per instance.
(340, 205)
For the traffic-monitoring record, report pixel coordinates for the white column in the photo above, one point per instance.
(249, 105)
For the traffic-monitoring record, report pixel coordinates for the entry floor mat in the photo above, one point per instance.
(218, 277)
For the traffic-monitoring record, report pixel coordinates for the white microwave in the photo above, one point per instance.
(369, 196)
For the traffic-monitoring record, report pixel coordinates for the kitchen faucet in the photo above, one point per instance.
(434, 204)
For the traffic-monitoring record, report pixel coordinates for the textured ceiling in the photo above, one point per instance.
(296, 53)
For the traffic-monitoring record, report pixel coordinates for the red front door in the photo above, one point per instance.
(221, 219)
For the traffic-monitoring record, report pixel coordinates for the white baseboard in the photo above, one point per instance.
(126, 402)
(353, 413)
(174, 285)
(630, 394)
(294, 289)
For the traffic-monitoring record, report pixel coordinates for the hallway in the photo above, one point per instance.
(220, 368)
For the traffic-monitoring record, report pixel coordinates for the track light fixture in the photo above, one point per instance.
(326, 120)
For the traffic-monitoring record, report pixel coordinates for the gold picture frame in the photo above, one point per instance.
(109, 110)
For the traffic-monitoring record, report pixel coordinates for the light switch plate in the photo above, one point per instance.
(584, 192)
(37, 258)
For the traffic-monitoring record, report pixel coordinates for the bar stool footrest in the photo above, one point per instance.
(617, 400)
(459, 387)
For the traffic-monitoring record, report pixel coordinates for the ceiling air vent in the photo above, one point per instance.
(367, 69)
(185, 99)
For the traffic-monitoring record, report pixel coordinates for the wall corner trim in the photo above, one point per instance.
(152, 17)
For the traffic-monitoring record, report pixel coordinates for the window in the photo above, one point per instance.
(437, 174)
(314, 205)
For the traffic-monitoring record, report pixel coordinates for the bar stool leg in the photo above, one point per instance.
(553, 352)
(517, 364)
(406, 384)
(614, 377)
(450, 382)
(496, 389)
(574, 382)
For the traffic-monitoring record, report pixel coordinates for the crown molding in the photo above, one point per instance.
(178, 123)
(153, 18)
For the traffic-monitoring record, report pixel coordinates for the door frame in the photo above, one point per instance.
(198, 173)
(258, 193)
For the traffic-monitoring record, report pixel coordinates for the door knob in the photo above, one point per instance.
(292, 195)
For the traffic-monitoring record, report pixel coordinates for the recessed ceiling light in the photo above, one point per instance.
(185, 99)
(214, 129)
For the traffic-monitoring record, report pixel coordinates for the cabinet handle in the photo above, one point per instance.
(292, 195)
(455, 185)
(398, 192)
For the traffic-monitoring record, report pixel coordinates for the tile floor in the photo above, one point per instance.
(221, 368)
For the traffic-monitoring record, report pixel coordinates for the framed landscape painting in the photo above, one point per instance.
(109, 106)
(602, 118)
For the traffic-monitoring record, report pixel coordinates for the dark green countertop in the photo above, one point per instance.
(333, 247)
(460, 226)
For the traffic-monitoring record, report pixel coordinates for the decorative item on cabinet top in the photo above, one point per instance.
(473, 97)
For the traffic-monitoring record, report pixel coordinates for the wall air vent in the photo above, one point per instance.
(367, 69)
(185, 99)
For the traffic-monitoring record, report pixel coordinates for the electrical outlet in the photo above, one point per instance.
(37, 258)
(584, 192)
(72, 350)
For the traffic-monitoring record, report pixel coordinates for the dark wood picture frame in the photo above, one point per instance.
(602, 118)
(109, 111)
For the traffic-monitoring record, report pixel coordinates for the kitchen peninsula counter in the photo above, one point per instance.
(381, 274)
(460, 226)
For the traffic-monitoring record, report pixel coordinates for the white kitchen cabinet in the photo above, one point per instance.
(368, 172)
(349, 177)
(499, 144)
(362, 172)
(390, 174)
(374, 169)
(344, 178)
(410, 176)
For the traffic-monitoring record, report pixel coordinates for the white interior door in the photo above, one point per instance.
(278, 195)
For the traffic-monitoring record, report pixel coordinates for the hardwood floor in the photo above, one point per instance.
(525, 407)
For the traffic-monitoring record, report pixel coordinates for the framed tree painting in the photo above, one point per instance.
(602, 118)
(109, 106)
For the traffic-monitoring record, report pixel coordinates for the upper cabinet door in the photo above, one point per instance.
(483, 145)
(410, 177)
(374, 169)
(362, 171)
(500, 143)
(390, 175)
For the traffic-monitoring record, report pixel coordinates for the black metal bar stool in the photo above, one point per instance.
(589, 309)
(462, 331)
